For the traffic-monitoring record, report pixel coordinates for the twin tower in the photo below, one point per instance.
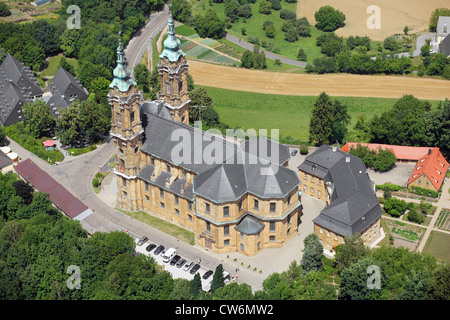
(125, 100)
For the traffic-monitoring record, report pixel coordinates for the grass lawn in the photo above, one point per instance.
(164, 226)
(437, 245)
(289, 114)
(253, 26)
(53, 65)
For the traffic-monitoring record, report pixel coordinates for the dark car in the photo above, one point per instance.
(294, 152)
(158, 250)
(150, 247)
(180, 263)
(174, 260)
(194, 268)
(142, 241)
(207, 274)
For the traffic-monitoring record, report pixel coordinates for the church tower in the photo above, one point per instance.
(172, 70)
(127, 132)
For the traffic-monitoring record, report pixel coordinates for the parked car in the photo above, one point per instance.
(188, 265)
(180, 263)
(158, 250)
(194, 268)
(150, 247)
(174, 260)
(207, 274)
(294, 152)
(142, 241)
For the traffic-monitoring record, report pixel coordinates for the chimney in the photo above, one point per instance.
(347, 159)
(429, 151)
(334, 148)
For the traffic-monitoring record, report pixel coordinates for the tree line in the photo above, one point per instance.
(410, 122)
(39, 244)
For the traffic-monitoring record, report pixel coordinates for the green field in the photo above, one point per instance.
(253, 26)
(53, 65)
(289, 114)
(437, 245)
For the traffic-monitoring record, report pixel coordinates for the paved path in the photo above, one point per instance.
(269, 55)
(444, 202)
(142, 39)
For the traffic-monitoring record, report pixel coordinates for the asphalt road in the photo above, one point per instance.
(143, 38)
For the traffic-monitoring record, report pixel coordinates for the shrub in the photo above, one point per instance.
(394, 207)
(329, 19)
(303, 150)
(424, 192)
(95, 182)
(265, 7)
(415, 216)
(388, 187)
(301, 55)
(288, 14)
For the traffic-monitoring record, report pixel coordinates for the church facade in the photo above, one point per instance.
(233, 196)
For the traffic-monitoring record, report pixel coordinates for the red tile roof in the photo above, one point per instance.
(401, 152)
(59, 195)
(433, 165)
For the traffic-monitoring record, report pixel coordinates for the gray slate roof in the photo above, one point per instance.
(440, 27)
(17, 87)
(218, 178)
(20, 75)
(249, 225)
(444, 46)
(65, 86)
(354, 205)
(4, 160)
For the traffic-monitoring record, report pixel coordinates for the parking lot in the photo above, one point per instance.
(176, 272)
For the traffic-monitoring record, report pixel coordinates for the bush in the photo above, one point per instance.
(415, 216)
(288, 14)
(303, 150)
(394, 207)
(301, 55)
(424, 192)
(329, 19)
(265, 7)
(388, 187)
(95, 182)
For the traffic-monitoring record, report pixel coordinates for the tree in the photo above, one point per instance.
(445, 12)
(63, 63)
(362, 128)
(312, 255)
(217, 281)
(355, 280)
(247, 59)
(265, 7)
(321, 120)
(210, 117)
(38, 117)
(288, 14)
(4, 10)
(352, 250)
(384, 160)
(439, 283)
(181, 290)
(234, 291)
(209, 25)
(270, 31)
(181, 10)
(196, 285)
(142, 76)
(330, 44)
(395, 207)
(291, 35)
(69, 125)
(301, 55)
(390, 43)
(341, 121)
(24, 190)
(329, 19)
(68, 42)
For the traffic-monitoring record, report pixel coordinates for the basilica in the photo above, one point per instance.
(232, 195)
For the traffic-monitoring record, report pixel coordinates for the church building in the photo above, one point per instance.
(233, 196)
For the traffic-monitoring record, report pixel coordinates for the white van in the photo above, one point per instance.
(169, 254)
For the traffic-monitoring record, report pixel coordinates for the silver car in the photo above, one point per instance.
(188, 265)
